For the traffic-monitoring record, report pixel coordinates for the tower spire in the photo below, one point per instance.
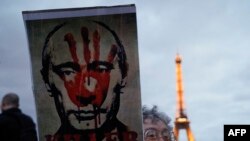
(181, 119)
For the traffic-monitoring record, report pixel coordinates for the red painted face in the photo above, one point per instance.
(83, 72)
(86, 83)
(79, 89)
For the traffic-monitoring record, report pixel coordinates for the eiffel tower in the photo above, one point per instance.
(181, 119)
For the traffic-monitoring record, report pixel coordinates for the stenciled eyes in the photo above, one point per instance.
(70, 69)
(100, 66)
(67, 71)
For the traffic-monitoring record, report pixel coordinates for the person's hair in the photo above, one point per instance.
(156, 116)
(11, 99)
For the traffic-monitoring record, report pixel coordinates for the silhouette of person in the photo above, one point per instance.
(15, 125)
(85, 75)
(156, 125)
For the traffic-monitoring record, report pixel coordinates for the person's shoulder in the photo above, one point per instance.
(26, 117)
(3, 116)
(4, 119)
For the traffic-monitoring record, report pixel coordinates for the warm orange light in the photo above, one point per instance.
(179, 85)
(181, 120)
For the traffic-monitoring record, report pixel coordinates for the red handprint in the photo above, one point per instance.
(87, 83)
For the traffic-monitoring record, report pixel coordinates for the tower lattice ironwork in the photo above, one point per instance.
(181, 119)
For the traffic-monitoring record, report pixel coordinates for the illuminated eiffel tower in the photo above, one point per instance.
(181, 119)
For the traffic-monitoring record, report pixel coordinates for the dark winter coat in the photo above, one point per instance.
(16, 126)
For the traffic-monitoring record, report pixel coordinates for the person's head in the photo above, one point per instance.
(156, 125)
(84, 69)
(10, 100)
